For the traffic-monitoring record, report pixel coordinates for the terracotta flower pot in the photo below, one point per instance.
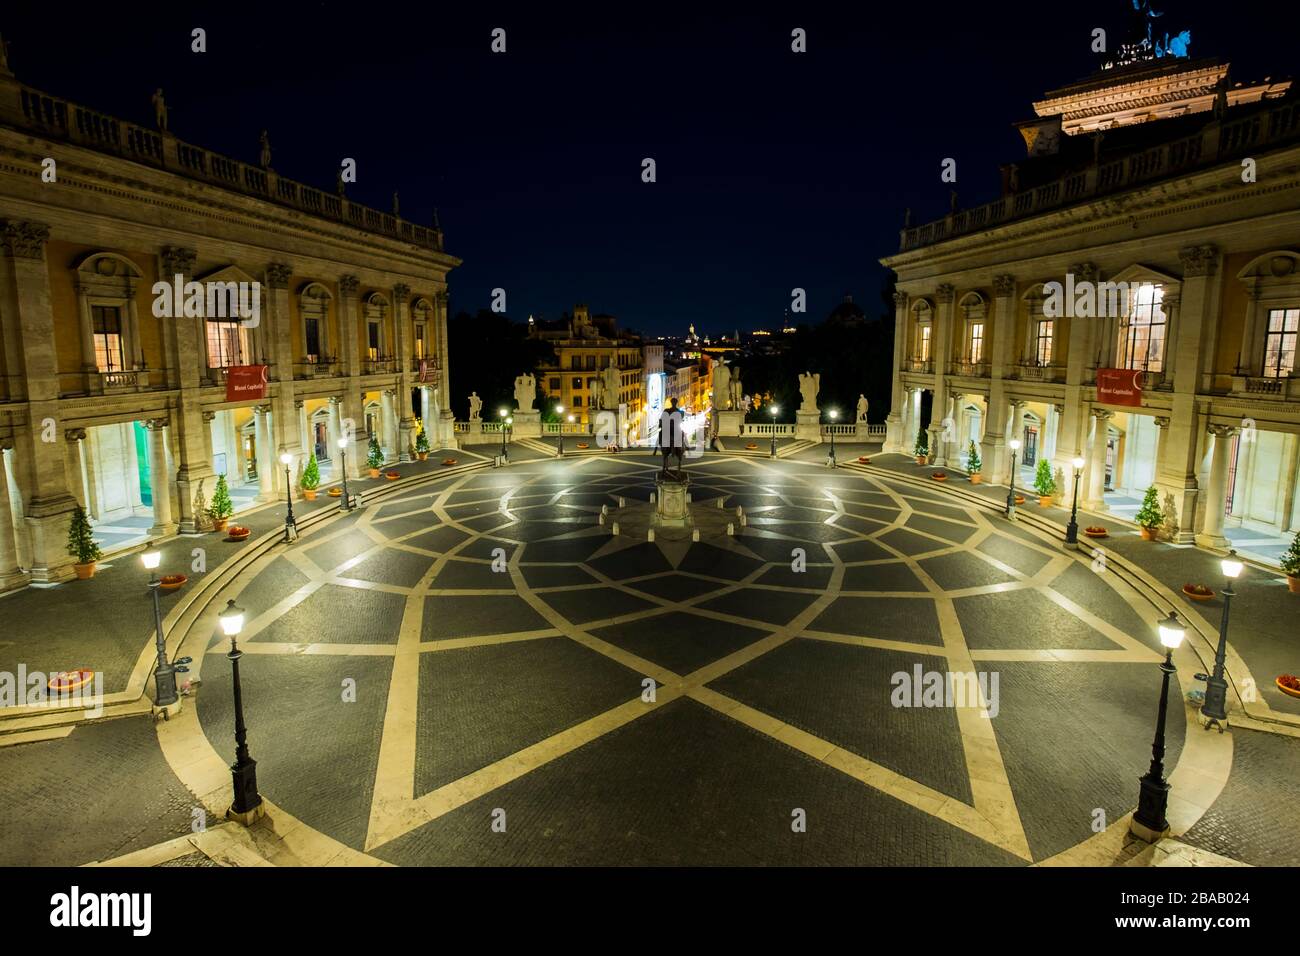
(422, 455)
(170, 582)
(1044, 501)
(84, 571)
(1148, 534)
(335, 492)
(864, 460)
(1020, 499)
(920, 459)
(239, 533)
(392, 475)
(751, 446)
(1095, 532)
(1191, 592)
(219, 524)
(449, 461)
(309, 494)
(939, 476)
(374, 472)
(583, 444)
(1288, 684)
(976, 478)
(1293, 584)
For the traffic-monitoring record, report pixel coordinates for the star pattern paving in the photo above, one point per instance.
(497, 630)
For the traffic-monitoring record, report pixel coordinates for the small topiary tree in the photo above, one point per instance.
(375, 455)
(222, 507)
(973, 463)
(1291, 558)
(922, 448)
(81, 539)
(1044, 481)
(1149, 515)
(422, 442)
(310, 480)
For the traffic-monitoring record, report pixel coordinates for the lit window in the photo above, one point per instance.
(1144, 337)
(227, 344)
(923, 345)
(107, 322)
(1280, 342)
(977, 342)
(374, 340)
(1043, 342)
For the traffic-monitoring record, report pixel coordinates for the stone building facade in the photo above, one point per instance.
(107, 402)
(584, 348)
(1185, 231)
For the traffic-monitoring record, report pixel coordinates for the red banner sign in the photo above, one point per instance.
(245, 382)
(1119, 386)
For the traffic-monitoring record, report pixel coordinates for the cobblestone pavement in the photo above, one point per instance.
(479, 672)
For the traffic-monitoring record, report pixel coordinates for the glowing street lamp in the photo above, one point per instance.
(346, 504)
(290, 525)
(559, 410)
(243, 772)
(1072, 529)
(1215, 708)
(504, 454)
(1011, 489)
(834, 413)
(164, 674)
(773, 409)
(1149, 822)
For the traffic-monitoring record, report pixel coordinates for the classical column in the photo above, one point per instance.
(76, 472)
(89, 364)
(265, 454)
(133, 329)
(405, 354)
(1251, 355)
(444, 371)
(334, 432)
(946, 294)
(1096, 500)
(349, 329)
(896, 440)
(956, 447)
(10, 576)
(1169, 306)
(994, 444)
(389, 426)
(159, 479)
(41, 473)
(1216, 493)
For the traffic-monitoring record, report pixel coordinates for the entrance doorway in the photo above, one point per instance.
(1031, 446)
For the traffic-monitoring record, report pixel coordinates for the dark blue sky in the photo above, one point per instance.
(775, 170)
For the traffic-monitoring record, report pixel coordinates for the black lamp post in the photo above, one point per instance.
(1149, 822)
(1011, 487)
(505, 455)
(244, 770)
(290, 525)
(164, 674)
(346, 504)
(834, 415)
(773, 409)
(559, 411)
(1072, 529)
(1215, 708)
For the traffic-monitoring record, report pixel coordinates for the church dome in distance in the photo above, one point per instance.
(847, 312)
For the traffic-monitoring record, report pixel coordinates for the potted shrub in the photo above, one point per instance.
(1044, 482)
(973, 464)
(374, 457)
(1198, 592)
(1291, 565)
(310, 480)
(922, 448)
(1149, 516)
(81, 544)
(222, 507)
(422, 446)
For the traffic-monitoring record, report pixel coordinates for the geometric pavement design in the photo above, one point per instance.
(491, 675)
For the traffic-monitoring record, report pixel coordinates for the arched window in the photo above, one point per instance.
(1142, 329)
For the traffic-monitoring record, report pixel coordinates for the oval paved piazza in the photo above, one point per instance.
(483, 649)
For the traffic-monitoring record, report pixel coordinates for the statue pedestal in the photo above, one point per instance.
(527, 425)
(730, 422)
(670, 501)
(808, 425)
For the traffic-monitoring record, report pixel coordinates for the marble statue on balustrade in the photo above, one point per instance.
(746, 403)
(809, 386)
(265, 156)
(160, 109)
(475, 407)
(526, 392)
(862, 408)
(598, 392)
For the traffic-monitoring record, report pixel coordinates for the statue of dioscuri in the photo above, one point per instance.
(862, 407)
(721, 386)
(526, 392)
(475, 407)
(809, 385)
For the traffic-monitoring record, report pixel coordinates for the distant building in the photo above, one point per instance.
(584, 347)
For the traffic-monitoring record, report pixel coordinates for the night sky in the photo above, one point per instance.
(775, 170)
